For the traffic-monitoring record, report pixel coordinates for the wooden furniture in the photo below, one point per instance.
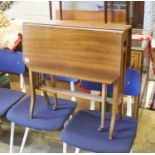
(106, 12)
(94, 52)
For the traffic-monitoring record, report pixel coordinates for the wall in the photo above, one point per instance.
(149, 17)
(28, 10)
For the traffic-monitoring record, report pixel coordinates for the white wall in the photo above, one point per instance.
(81, 5)
(149, 17)
(28, 10)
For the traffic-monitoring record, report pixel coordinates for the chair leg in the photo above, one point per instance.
(24, 139)
(72, 88)
(64, 147)
(12, 136)
(92, 105)
(129, 106)
(66, 122)
(22, 83)
(77, 150)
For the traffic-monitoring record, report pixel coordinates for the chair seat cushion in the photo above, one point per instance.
(44, 117)
(82, 133)
(8, 98)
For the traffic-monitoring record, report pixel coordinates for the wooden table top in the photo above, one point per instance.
(87, 54)
(86, 24)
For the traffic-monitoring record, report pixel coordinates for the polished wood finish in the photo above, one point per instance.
(53, 83)
(138, 14)
(112, 11)
(33, 96)
(82, 15)
(106, 59)
(105, 11)
(60, 10)
(114, 108)
(92, 53)
(50, 10)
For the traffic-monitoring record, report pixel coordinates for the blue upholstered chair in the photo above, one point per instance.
(132, 87)
(44, 117)
(11, 63)
(81, 132)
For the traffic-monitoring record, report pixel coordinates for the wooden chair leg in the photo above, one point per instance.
(114, 109)
(12, 136)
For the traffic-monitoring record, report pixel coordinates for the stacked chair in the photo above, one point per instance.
(66, 52)
(81, 130)
(45, 118)
(11, 63)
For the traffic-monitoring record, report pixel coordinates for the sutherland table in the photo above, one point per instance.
(94, 52)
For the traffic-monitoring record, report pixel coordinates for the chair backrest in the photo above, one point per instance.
(91, 85)
(11, 62)
(61, 78)
(132, 84)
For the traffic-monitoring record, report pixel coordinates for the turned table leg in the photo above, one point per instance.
(114, 108)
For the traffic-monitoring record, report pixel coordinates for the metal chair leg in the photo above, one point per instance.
(129, 106)
(24, 139)
(66, 122)
(77, 150)
(12, 136)
(92, 105)
(64, 147)
(22, 83)
(72, 88)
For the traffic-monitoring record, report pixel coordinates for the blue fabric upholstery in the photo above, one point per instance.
(91, 85)
(132, 84)
(82, 132)
(62, 78)
(45, 118)
(8, 98)
(11, 62)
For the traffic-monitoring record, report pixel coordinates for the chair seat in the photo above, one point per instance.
(44, 117)
(8, 98)
(82, 133)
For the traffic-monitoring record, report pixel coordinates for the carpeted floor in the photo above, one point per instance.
(50, 142)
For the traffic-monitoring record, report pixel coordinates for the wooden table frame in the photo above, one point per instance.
(65, 52)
